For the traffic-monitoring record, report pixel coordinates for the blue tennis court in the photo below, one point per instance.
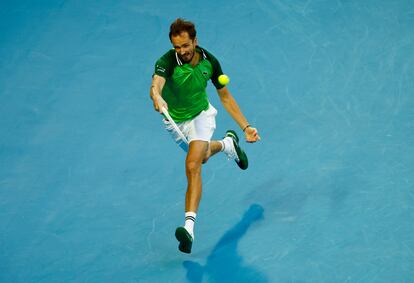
(92, 187)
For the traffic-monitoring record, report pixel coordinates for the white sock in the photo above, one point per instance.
(226, 145)
(222, 145)
(190, 218)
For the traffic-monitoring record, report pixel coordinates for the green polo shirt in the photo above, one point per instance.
(185, 86)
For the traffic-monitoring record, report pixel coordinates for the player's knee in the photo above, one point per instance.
(193, 167)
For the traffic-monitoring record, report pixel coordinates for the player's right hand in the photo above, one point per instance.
(159, 103)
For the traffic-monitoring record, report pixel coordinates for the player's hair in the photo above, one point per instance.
(180, 25)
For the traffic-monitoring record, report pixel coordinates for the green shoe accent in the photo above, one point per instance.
(242, 161)
(185, 239)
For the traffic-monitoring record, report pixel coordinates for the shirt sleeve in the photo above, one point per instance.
(217, 71)
(164, 66)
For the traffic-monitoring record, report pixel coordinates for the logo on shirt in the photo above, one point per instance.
(160, 69)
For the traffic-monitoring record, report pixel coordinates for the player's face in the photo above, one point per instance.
(184, 46)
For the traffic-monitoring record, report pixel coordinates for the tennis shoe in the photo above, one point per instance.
(235, 151)
(185, 239)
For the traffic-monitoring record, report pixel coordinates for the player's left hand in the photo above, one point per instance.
(251, 134)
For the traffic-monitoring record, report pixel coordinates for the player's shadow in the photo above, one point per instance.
(224, 264)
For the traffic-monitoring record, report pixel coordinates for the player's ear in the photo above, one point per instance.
(195, 41)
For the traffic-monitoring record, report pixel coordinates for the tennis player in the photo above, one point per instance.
(179, 85)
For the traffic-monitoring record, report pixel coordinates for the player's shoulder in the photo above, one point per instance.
(168, 56)
(166, 64)
(208, 55)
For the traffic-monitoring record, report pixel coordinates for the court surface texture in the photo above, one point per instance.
(92, 187)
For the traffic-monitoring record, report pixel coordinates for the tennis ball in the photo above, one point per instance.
(223, 79)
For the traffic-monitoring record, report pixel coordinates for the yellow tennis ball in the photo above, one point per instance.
(223, 79)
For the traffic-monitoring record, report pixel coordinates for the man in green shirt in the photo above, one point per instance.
(179, 85)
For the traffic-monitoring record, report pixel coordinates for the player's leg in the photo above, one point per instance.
(230, 146)
(213, 148)
(193, 163)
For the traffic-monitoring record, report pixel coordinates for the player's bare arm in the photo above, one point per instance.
(233, 109)
(157, 84)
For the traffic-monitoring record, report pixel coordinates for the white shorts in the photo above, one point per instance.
(201, 128)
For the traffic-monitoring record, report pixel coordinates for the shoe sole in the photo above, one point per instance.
(243, 160)
(185, 240)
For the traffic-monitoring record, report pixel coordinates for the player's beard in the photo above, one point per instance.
(187, 57)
